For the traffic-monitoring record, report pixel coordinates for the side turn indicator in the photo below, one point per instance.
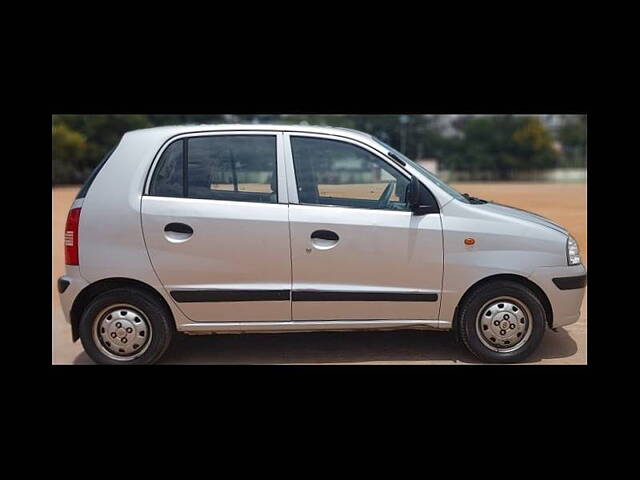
(469, 241)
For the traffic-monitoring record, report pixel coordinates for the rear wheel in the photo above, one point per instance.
(502, 321)
(125, 326)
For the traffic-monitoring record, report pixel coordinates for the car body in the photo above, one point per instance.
(256, 251)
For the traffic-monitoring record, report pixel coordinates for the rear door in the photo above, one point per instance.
(357, 251)
(215, 222)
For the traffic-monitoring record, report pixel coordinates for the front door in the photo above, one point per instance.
(357, 252)
(215, 222)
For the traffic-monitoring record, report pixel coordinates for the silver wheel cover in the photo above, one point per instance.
(122, 332)
(504, 324)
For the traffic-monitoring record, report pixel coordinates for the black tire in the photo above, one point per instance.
(160, 320)
(478, 298)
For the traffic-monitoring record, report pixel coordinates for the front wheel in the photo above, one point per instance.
(502, 322)
(125, 326)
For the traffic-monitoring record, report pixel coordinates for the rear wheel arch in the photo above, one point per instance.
(92, 291)
(548, 310)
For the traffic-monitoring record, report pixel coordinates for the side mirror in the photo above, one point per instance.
(419, 199)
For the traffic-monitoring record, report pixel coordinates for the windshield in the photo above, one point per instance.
(450, 190)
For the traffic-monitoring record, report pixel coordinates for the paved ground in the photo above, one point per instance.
(564, 203)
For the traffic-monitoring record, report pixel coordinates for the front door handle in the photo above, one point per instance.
(177, 232)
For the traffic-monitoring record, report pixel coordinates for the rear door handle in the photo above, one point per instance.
(325, 235)
(178, 228)
(178, 232)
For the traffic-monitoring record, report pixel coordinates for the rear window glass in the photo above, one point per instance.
(239, 168)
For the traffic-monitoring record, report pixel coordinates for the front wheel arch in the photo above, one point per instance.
(91, 291)
(548, 310)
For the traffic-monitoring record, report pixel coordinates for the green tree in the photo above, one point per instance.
(68, 151)
(100, 134)
(533, 145)
(160, 120)
(573, 137)
(496, 143)
(503, 144)
(103, 132)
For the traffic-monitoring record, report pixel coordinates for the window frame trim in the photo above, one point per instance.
(280, 162)
(293, 181)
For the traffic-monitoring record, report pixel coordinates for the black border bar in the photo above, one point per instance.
(192, 296)
(314, 296)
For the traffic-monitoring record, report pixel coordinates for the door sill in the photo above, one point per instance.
(204, 328)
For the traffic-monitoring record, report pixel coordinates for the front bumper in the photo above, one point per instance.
(565, 287)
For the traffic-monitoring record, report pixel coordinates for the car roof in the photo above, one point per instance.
(171, 131)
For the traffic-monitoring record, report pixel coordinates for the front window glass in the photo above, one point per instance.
(450, 190)
(331, 172)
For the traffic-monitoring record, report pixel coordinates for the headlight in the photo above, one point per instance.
(573, 254)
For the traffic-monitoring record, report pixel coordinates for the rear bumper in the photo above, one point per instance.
(63, 283)
(565, 287)
(69, 286)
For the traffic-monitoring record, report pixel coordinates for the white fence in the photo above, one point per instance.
(552, 175)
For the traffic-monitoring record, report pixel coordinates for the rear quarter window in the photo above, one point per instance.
(168, 177)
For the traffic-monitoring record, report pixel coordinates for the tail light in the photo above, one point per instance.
(71, 237)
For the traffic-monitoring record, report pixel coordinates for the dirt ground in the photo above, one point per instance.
(563, 203)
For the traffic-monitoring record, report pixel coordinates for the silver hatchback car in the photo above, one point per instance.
(256, 228)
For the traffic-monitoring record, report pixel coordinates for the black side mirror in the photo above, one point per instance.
(419, 199)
